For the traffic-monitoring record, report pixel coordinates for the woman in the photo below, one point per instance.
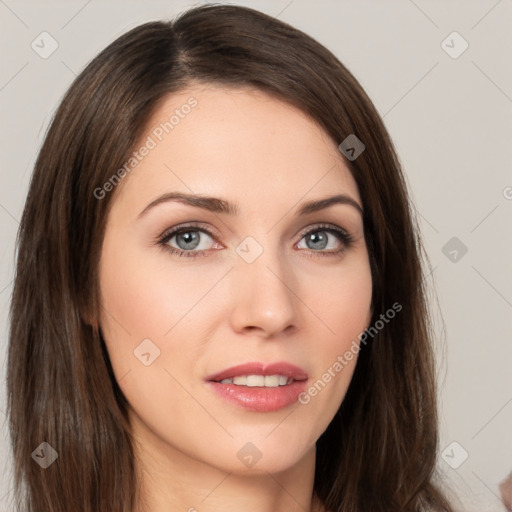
(218, 301)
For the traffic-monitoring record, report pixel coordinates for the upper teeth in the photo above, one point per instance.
(268, 381)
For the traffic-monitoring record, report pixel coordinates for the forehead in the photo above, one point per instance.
(241, 144)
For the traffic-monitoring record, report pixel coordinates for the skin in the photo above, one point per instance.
(294, 303)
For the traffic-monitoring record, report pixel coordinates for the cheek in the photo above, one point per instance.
(151, 306)
(343, 305)
(344, 301)
(146, 297)
(150, 298)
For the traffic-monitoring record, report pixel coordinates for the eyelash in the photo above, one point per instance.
(341, 234)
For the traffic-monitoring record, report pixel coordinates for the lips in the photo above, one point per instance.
(258, 398)
(258, 368)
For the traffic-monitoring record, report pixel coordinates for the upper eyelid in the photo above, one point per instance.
(191, 226)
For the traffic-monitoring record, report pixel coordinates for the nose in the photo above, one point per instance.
(264, 301)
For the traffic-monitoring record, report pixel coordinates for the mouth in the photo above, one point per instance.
(266, 381)
(260, 374)
(260, 387)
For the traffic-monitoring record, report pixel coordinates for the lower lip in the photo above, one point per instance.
(260, 399)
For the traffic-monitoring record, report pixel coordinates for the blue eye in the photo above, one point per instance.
(186, 240)
(320, 238)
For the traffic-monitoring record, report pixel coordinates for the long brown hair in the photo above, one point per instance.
(379, 451)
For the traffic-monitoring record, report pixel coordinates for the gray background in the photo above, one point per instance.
(450, 119)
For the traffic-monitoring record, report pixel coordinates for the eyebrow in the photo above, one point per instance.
(217, 205)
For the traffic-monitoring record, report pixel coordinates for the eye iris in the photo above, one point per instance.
(319, 240)
(190, 238)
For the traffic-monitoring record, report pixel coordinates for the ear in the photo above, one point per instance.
(89, 313)
(89, 320)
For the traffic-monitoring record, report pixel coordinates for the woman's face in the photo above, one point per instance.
(267, 284)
